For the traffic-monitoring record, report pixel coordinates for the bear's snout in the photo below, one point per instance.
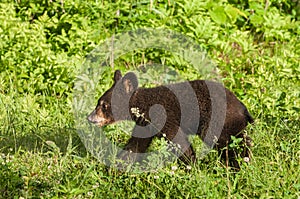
(99, 118)
(92, 118)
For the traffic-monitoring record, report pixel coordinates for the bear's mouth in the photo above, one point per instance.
(98, 123)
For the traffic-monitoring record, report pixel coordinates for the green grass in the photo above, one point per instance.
(43, 47)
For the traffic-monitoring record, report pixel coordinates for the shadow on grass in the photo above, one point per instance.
(39, 142)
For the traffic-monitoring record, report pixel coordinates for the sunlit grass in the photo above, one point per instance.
(41, 154)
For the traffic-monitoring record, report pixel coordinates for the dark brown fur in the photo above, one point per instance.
(124, 98)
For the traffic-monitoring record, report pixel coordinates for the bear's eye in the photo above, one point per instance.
(104, 106)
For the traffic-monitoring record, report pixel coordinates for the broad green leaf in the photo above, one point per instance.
(233, 13)
(218, 15)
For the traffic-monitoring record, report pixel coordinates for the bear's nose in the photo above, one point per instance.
(91, 117)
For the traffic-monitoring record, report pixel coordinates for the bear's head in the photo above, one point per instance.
(113, 105)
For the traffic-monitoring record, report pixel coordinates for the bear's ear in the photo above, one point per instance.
(117, 76)
(130, 82)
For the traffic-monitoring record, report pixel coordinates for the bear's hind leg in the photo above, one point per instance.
(236, 151)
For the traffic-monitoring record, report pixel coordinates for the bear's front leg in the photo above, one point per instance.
(137, 144)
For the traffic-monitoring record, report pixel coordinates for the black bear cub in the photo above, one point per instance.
(175, 111)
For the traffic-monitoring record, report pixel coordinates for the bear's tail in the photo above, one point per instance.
(248, 115)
